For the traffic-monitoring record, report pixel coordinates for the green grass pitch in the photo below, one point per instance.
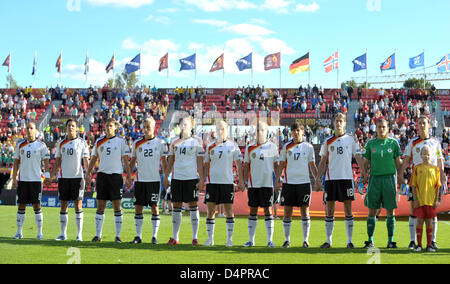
(30, 250)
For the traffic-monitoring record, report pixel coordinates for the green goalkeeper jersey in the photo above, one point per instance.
(382, 155)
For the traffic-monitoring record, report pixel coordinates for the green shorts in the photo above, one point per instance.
(382, 192)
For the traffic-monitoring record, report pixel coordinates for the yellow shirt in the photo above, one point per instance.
(426, 178)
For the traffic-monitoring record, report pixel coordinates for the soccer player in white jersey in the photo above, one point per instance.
(219, 158)
(149, 152)
(297, 162)
(412, 154)
(185, 162)
(338, 151)
(260, 163)
(29, 155)
(71, 154)
(113, 154)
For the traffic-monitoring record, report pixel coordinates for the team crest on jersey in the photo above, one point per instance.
(254, 155)
(101, 149)
(21, 152)
(332, 148)
(418, 150)
(212, 152)
(140, 149)
(63, 149)
(389, 150)
(175, 148)
(290, 153)
(374, 150)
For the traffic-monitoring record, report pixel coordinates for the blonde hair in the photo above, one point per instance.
(150, 120)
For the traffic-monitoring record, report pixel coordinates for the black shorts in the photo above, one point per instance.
(339, 190)
(29, 192)
(260, 197)
(184, 190)
(296, 195)
(70, 189)
(219, 193)
(109, 186)
(146, 193)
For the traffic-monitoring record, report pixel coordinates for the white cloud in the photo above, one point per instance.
(158, 19)
(279, 6)
(168, 10)
(221, 5)
(211, 22)
(248, 30)
(121, 3)
(307, 8)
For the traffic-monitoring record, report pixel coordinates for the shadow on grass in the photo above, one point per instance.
(215, 249)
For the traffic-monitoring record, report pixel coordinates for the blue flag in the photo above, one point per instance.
(134, 65)
(34, 66)
(360, 63)
(188, 63)
(417, 61)
(389, 64)
(245, 63)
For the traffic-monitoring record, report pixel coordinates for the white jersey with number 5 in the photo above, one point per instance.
(261, 158)
(110, 152)
(31, 156)
(221, 157)
(186, 152)
(340, 151)
(72, 153)
(148, 154)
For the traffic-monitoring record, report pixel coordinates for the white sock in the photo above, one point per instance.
(412, 228)
(118, 220)
(39, 220)
(349, 228)
(195, 217)
(210, 224)
(79, 222)
(138, 223)
(63, 220)
(435, 226)
(252, 223)
(306, 225)
(156, 220)
(230, 228)
(329, 226)
(176, 223)
(20, 221)
(287, 224)
(269, 227)
(99, 219)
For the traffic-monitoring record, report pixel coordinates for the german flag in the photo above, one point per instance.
(300, 65)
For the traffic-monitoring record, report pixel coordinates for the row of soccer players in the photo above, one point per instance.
(191, 166)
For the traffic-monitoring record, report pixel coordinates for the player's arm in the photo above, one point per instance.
(91, 166)
(405, 165)
(399, 166)
(168, 170)
(56, 167)
(246, 171)
(321, 171)
(200, 173)
(15, 172)
(361, 164)
(240, 170)
(314, 170)
(279, 171)
(47, 180)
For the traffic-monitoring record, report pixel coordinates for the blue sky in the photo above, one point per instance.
(182, 27)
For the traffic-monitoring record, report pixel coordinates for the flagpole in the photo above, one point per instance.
(337, 70)
(309, 70)
(223, 69)
(140, 67)
(395, 69)
(252, 69)
(167, 69)
(114, 72)
(367, 68)
(60, 70)
(279, 94)
(424, 72)
(34, 67)
(195, 68)
(9, 70)
(86, 68)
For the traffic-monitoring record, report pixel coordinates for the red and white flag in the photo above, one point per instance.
(331, 63)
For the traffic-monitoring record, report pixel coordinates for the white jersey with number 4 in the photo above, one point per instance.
(415, 146)
(186, 153)
(221, 157)
(297, 157)
(31, 156)
(340, 151)
(110, 152)
(261, 158)
(72, 153)
(148, 155)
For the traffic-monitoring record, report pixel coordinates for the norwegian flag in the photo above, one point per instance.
(331, 63)
(110, 65)
(444, 64)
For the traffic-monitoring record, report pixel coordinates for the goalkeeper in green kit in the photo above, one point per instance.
(384, 155)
